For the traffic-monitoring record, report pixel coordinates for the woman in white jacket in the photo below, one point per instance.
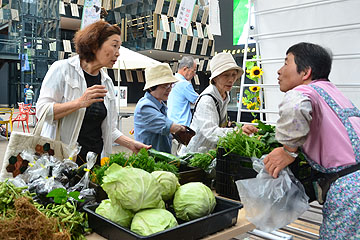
(210, 113)
(81, 96)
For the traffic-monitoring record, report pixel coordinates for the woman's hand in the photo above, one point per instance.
(277, 160)
(137, 146)
(177, 127)
(92, 94)
(131, 144)
(249, 129)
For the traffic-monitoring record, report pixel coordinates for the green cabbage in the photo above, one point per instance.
(134, 188)
(151, 221)
(193, 200)
(115, 213)
(169, 183)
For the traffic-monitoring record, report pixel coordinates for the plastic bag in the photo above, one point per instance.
(83, 184)
(271, 203)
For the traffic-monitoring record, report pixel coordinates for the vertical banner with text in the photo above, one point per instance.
(184, 15)
(214, 17)
(91, 12)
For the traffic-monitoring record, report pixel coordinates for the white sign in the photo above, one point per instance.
(91, 12)
(185, 13)
(214, 17)
(122, 93)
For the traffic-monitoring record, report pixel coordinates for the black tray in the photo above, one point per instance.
(191, 174)
(225, 215)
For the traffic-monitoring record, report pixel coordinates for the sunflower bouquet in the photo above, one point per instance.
(251, 97)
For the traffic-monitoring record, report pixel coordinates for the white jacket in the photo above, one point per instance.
(205, 122)
(65, 82)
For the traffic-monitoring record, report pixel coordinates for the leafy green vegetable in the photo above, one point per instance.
(134, 188)
(114, 212)
(151, 221)
(202, 160)
(193, 200)
(140, 160)
(243, 145)
(263, 142)
(60, 195)
(169, 183)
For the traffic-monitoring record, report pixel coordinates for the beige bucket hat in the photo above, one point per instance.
(223, 62)
(158, 74)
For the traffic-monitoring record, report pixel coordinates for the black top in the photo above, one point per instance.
(90, 136)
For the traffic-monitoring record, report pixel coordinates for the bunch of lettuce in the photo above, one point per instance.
(193, 200)
(149, 221)
(134, 188)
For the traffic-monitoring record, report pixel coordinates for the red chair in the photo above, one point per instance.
(23, 116)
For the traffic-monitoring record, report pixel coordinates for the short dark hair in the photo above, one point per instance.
(151, 89)
(91, 38)
(312, 55)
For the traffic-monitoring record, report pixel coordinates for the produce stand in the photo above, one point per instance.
(242, 226)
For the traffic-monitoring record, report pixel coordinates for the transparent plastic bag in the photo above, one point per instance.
(271, 203)
(83, 184)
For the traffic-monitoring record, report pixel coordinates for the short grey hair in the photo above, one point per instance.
(186, 61)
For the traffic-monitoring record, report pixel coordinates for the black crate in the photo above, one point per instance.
(230, 168)
(225, 215)
(191, 174)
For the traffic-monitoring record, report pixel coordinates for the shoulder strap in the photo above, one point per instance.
(216, 104)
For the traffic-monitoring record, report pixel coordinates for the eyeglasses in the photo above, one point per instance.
(167, 86)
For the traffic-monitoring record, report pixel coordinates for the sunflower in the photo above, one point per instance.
(255, 121)
(254, 88)
(256, 72)
(258, 99)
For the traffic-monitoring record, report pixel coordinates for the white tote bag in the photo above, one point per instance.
(20, 141)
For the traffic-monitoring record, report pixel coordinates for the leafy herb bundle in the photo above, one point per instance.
(266, 134)
(140, 160)
(202, 160)
(238, 143)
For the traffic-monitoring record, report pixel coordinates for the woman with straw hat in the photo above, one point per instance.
(151, 124)
(210, 112)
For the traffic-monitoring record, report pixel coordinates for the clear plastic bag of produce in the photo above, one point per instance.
(271, 203)
(83, 184)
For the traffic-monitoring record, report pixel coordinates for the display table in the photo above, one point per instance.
(242, 226)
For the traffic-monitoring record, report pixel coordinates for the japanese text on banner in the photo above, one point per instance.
(185, 13)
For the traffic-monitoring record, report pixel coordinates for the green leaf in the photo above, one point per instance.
(58, 192)
(60, 199)
(75, 195)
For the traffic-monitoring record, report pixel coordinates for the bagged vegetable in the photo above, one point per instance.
(114, 212)
(134, 188)
(272, 203)
(151, 221)
(169, 183)
(193, 200)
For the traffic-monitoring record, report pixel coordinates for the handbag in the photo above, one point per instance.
(14, 164)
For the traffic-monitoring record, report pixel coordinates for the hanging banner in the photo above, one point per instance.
(184, 15)
(91, 12)
(214, 17)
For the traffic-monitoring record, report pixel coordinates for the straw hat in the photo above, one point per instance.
(223, 62)
(158, 74)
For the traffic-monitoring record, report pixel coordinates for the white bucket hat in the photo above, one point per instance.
(158, 74)
(223, 62)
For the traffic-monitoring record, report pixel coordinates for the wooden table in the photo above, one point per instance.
(242, 226)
